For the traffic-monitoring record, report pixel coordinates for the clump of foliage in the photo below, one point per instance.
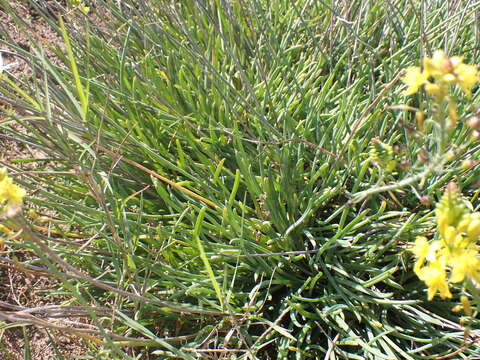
(216, 160)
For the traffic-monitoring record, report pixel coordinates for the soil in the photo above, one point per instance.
(19, 289)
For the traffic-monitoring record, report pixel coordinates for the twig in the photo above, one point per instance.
(459, 351)
(276, 322)
(90, 334)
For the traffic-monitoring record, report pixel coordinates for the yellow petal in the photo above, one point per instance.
(433, 89)
(421, 247)
(434, 277)
(465, 264)
(9, 192)
(467, 77)
(414, 78)
(473, 229)
(450, 235)
(438, 65)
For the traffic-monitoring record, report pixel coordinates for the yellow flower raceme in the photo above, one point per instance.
(454, 257)
(445, 71)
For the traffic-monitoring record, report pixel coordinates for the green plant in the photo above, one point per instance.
(209, 152)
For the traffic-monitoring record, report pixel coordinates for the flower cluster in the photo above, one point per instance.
(445, 71)
(455, 251)
(10, 194)
(382, 154)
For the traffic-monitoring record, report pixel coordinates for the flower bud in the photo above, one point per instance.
(404, 164)
(467, 164)
(457, 308)
(33, 214)
(473, 230)
(382, 154)
(432, 89)
(452, 187)
(425, 200)
(466, 305)
(452, 115)
(474, 122)
(420, 117)
(423, 157)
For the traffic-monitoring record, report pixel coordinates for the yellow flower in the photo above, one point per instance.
(452, 71)
(445, 71)
(414, 78)
(455, 252)
(421, 249)
(435, 89)
(9, 192)
(434, 276)
(466, 264)
(467, 77)
(450, 235)
(470, 224)
(426, 251)
(438, 65)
